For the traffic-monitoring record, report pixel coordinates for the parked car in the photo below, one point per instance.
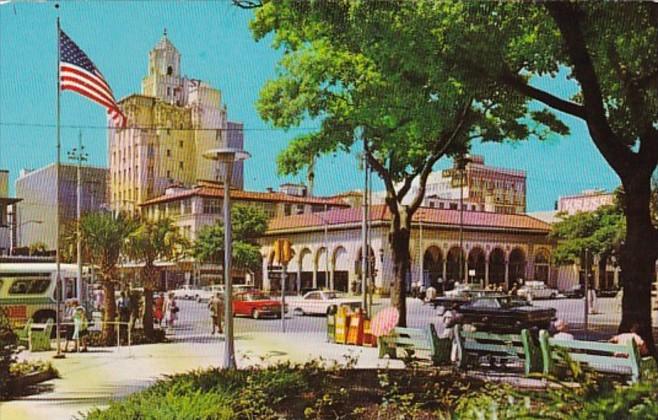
(504, 314)
(256, 305)
(466, 296)
(318, 302)
(574, 292)
(206, 293)
(459, 290)
(538, 290)
(187, 291)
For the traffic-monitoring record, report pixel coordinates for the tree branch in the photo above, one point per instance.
(518, 83)
(567, 17)
(440, 148)
(385, 175)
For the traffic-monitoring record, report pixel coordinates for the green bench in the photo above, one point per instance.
(472, 347)
(39, 340)
(612, 358)
(23, 334)
(414, 340)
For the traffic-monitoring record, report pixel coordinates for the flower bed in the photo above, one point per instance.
(137, 337)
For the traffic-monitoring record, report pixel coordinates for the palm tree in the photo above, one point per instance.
(154, 240)
(104, 239)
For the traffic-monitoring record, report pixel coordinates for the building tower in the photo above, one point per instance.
(170, 124)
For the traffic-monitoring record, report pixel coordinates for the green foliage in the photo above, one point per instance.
(105, 239)
(7, 350)
(601, 231)
(249, 223)
(38, 248)
(155, 240)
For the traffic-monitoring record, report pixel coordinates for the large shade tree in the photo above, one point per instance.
(609, 49)
(104, 240)
(369, 71)
(153, 241)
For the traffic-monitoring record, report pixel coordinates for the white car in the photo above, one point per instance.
(187, 291)
(537, 290)
(318, 302)
(459, 290)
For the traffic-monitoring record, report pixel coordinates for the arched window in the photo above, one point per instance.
(170, 71)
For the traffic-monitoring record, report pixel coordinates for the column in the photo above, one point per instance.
(506, 273)
(299, 276)
(315, 277)
(445, 269)
(331, 278)
(486, 272)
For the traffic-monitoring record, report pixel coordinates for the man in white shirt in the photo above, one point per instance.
(561, 328)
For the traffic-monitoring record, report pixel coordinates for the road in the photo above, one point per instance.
(194, 318)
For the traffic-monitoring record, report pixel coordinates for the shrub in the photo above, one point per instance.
(7, 351)
(26, 367)
(137, 337)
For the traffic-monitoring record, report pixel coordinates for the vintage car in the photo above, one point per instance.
(504, 314)
(187, 291)
(455, 301)
(318, 302)
(537, 290)
(256, 305)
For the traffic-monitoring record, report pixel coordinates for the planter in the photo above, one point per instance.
(30, 379)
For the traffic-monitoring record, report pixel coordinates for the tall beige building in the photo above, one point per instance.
(170, 124)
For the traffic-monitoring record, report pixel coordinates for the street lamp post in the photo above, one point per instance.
(79, 155)
(462, 161)
(226, 157)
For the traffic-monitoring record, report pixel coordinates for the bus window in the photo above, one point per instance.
(29, 286)
(70, 288)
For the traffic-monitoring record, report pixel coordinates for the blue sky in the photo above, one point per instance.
(216, 46)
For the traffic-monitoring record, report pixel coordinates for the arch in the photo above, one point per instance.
(305, 269)
(454, 266)
(542, 265)
(170, 70)
(432, 266)
(517, 265)
(340, 265)
(497, 267)
(321, 267)
(477, 261)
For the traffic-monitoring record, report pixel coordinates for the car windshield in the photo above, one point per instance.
(330, 295)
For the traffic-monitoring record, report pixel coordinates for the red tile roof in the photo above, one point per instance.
(218, 192)
(425, 214)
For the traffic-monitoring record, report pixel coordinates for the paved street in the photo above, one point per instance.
(92, 379)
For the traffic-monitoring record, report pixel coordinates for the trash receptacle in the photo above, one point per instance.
(342, 320)
(331, 323)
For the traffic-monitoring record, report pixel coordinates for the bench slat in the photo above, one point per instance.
(596, 360)
(492, 348)
(589, 345)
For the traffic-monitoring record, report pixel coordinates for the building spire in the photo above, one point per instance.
(165, 32)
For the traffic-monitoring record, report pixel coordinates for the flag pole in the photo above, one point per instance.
(60, 288)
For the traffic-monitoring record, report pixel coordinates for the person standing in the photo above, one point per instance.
(80, 328)
(216, 307)
(171, 310)
(158, 308)
(123, 306)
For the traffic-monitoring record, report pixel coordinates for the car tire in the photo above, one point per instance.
(553, 295)
(255, 314)
(298, 312)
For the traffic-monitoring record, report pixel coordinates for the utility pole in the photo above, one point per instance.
(78, 154)
(586, 272)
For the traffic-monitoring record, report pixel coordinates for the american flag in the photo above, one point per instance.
(79, 74)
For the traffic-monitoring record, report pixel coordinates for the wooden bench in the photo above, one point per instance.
(40, 338)
(622, 359)
(472, 347)
(414, 340)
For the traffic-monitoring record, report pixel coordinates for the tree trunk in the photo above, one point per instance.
(399, 241)
(603, 265)
(149, 280)
(638, 258)
(110, 306)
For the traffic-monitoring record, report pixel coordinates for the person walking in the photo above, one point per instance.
(216, 306)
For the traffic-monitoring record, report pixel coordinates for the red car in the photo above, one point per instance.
(256, 305)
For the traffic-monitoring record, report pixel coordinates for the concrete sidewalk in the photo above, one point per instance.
(93, 379)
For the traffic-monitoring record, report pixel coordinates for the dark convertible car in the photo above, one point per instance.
(504, 314)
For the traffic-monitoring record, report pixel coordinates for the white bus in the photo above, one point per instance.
(27, 290)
